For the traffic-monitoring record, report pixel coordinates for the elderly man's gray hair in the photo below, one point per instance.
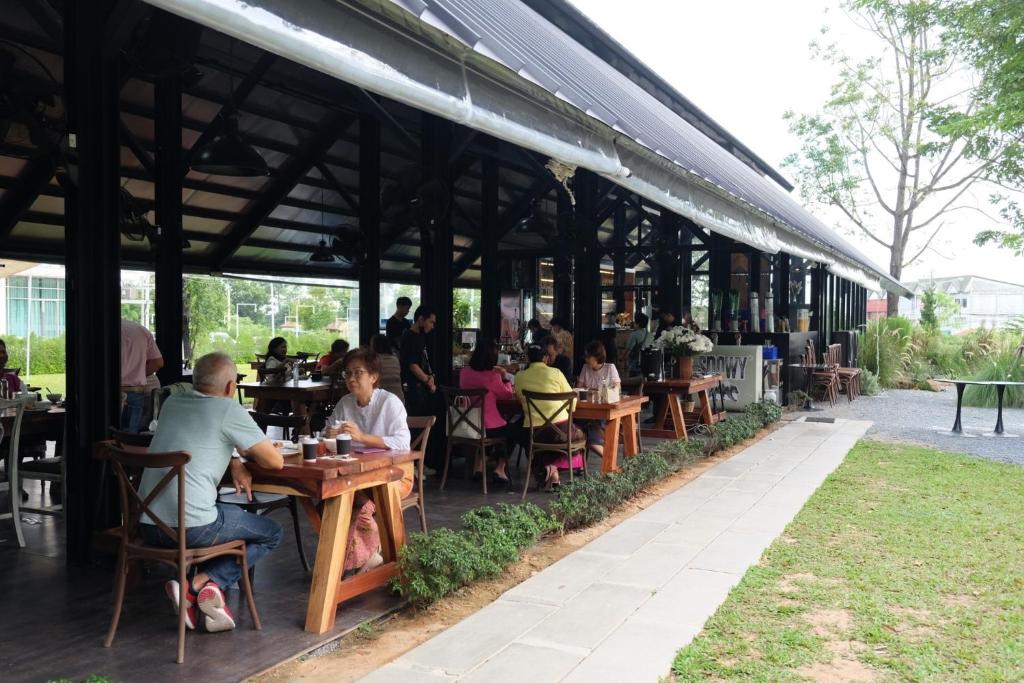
(214, 371)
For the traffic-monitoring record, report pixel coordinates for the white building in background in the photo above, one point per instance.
(32, 298)
(982, 301)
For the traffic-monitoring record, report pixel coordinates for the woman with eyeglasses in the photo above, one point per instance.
(375, 418)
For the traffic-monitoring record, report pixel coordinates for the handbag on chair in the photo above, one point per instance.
(465, 419)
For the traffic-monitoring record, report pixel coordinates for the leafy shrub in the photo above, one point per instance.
(869, 383)
(436, 563)
(735, 429)
(765, 412)
(587, 500)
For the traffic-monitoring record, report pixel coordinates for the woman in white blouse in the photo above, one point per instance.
(596, 370)
(375, 418)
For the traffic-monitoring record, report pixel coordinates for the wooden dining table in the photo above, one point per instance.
(623, 413)
(303, 395)
(670, 419)
(326, 490)
(46, 423)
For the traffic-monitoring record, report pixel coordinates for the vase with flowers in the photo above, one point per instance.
(683, 344)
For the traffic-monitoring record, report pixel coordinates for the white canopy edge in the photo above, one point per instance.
(419, 65)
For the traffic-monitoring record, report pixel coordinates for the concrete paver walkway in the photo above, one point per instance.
(620, 607)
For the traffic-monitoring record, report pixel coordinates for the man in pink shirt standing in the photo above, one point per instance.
(140, 358)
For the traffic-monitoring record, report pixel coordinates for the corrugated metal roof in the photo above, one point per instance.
(523, 41)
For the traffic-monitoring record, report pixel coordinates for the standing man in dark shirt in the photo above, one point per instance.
(554, 357)
(421, 396)
(397, 323)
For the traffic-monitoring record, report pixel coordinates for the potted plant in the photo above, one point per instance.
(683, 344)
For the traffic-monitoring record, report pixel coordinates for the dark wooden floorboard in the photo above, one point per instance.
(55, 617)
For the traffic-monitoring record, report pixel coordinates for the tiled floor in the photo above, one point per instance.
(620, 607)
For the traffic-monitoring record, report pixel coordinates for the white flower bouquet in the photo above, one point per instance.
(681, 341)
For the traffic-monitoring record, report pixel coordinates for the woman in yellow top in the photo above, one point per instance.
(540, 377)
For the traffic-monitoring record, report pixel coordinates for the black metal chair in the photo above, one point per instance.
(264, 503)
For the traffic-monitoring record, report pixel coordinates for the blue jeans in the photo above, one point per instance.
(131, 413)
(261, 535)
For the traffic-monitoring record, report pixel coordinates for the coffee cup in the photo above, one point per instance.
(309, 450)
(331, 445)
(344, 442)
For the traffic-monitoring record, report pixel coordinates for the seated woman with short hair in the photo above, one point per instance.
(596, 371)
(330, 363)
(375, 419)
(540, 377)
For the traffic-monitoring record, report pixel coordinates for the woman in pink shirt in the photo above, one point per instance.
(13, 383)
(482, 374)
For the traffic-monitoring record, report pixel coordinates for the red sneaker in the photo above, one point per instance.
(214, 606)
(173, 590)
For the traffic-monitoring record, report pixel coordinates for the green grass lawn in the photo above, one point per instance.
(907, 564)
(58, 383)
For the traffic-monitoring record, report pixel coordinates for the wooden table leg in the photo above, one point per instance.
(391, 511)
(329, 564)
(609, 460)
(662, 413)
(705, 407)
(678, 423)
(630, 440)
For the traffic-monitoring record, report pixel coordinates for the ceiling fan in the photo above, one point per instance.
(347, 245)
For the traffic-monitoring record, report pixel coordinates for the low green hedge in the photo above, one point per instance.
(434, 564)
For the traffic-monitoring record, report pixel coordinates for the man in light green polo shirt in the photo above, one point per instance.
(208, 423)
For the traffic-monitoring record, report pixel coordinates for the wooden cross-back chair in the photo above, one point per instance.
(849, 378)
(122, 462)
(465, 427)
(415, 497)
(826, 379)
(557, 404)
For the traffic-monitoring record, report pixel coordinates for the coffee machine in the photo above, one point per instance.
(652, 364)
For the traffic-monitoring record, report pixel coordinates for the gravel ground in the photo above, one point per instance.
(925, 417)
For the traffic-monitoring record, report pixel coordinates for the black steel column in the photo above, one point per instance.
(817, 296)
(93, 261)
(563, 267)
(437, 281)
(169, 173)
(586, 265)
(619, 258)
(369, 226)
(782, 288)
(668, 263)
(686, 268)
(490, 290)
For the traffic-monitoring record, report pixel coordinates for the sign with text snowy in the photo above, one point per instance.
(742, 367)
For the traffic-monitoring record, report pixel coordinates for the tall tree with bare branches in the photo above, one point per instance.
(890, 148)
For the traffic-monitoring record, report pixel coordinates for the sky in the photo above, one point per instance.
(744, 63)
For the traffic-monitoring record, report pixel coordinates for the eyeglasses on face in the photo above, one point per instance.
(355, 373)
